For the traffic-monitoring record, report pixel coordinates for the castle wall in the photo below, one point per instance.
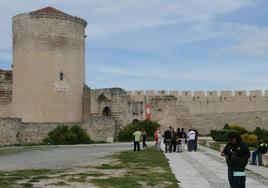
(122, 110)
(100, 128)
(200, 102)
(14, 131)
(206, 110)
(6, 111)
(5, 93)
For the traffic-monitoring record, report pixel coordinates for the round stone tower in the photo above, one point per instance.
(48, 66)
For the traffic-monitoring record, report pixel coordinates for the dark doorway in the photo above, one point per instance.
(106, 111)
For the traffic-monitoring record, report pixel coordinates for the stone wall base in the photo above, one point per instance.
(14, 131)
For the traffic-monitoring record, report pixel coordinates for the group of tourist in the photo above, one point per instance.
(175, 141)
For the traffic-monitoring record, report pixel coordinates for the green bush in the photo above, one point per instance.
(220, 135)
(238, 129)
(262, 134)
(125, 134)
(226, 126)
(63, 134)
(250, 137)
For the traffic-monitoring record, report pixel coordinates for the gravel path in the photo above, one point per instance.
(51, 157)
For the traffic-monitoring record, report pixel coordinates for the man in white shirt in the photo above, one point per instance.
(191, 138)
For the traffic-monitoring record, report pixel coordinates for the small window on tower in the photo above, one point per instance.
(61, 76)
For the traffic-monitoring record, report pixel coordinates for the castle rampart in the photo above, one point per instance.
(201, 94)
(204, 102)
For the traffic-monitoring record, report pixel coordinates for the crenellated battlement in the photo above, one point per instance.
(52, 13)
(200, 94)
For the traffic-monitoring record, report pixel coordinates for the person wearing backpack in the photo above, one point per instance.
(236, 154)
(167, 140)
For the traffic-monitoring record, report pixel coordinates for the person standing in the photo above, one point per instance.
(167, 140)
(156, 137)
(173, 140)
(262, 149)
(236, 154)
(159, 140)
(196, 139)
(144, 137)
(183, 139)
(178, 140)
(137, 138)
(191, 136)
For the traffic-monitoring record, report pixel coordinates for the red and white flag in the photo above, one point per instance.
(148, 110)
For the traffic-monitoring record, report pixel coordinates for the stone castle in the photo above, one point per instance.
(46, 87)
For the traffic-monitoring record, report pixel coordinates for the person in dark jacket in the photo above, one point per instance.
(173, 140)
(196, 139)
(144, 138)
(167, 140)
(261, 149)
(178, 140)
(236, 154)
(183, 139)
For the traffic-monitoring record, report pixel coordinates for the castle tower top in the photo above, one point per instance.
(49, 10)
(53, 13)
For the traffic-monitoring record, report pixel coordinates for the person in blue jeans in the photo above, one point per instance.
(191, 138)
(236, 154)
(137, 139)
(261, 149)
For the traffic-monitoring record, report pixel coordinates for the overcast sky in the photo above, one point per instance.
(160, 44)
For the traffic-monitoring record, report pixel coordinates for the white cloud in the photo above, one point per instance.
(109, 20)
(171, 73)
(108, 17)
(251, 39)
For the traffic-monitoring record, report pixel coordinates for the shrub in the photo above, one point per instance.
(213, 133)
(125, 134)
(262, 134)
(250, 139)
(226, 126)
(62, 134)
(220, 135)
(238, 129)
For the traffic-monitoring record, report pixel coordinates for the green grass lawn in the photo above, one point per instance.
(10, 179)
(145, 168)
